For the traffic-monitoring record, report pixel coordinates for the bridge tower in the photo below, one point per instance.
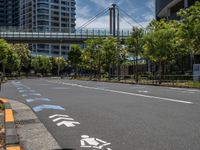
(114, 20)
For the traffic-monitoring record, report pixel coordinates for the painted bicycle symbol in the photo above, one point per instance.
(94, 143)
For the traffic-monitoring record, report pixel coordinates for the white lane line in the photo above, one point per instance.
(140, 91)
(186, 90)
(127, 93)
(60, 88)
(153, 97)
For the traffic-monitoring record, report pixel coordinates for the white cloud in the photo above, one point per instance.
(83, 11)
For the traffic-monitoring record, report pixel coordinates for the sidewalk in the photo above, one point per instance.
(32, 133)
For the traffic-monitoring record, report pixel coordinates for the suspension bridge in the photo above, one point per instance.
(116, 14)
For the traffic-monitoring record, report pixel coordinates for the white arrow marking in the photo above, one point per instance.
(61, 118)
(58, 115)
(68, 123)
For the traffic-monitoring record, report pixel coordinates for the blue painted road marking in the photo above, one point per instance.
(37, 99)
(42, 107)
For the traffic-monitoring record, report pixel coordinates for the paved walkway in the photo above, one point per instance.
(32, 133)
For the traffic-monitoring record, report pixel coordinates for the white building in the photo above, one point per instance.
(48, 16)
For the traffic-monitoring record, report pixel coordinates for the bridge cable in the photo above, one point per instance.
(123, 18)
(132, 18)
(93, 18)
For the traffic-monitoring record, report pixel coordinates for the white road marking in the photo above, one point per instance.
(62, 118)
(194, 90)
(66, 120)
(128, 93)
(68, 123)
(186, 90)
(37, 99)
(60, 88)
(28, 94)
(140, 91)
(23, 91)
(58, 115)
(93, 143)
(44, 84)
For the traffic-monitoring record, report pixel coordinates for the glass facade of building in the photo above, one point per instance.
(9, 12)
(48, 16)
(42, 16)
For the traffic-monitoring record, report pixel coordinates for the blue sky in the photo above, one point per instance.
(143, 11)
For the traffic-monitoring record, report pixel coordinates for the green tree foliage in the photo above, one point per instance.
(42, 64)
(159, 44)
(135, 41)
(110, 53)
(58, 64)
(13, 61)
(92, 55)
(134, 44)
(190, 28)
(74, 56)
(4, 48)
(24, 53)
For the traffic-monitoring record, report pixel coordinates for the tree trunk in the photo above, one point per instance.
(160, 72)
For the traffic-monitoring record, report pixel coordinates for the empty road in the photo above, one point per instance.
(87, 115)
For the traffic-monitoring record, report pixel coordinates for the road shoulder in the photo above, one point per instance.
(32, 133)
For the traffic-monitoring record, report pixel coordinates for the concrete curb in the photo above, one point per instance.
(11, 138)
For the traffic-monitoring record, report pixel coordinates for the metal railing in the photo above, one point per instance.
(164, 80)
(78, 36)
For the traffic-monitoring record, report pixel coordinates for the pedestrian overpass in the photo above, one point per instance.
(57, 37)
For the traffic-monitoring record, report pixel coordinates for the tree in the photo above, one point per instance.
(74, 57)
(159, 44)
(135, 43)
(189, 28)
(109, 53)
(25, 55)
(4, 48)
(41, 64)
(92, 56)
(13, 61)
(58, 65)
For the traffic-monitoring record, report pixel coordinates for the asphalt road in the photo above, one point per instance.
(110, 116)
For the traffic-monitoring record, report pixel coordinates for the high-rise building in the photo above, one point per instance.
(9, 12)
(41, 16)
(168, 8)
(48, 16)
